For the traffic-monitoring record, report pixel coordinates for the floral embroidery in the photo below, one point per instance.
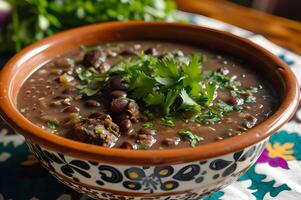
(283, 151)
(281, 148)
(273, 162)
(262, 187)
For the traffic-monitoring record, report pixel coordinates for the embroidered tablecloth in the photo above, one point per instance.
(276, 175)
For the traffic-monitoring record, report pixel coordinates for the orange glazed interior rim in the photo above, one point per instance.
(140, 157)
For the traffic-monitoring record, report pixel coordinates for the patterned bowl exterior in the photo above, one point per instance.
(184, 181)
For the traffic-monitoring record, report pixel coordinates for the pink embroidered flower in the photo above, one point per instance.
(274, 162)
(277, 155)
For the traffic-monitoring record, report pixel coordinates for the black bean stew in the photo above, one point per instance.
(146, 95)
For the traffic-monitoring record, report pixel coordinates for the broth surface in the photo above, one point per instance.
(44, 99)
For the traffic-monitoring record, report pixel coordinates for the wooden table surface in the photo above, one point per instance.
(282, 31)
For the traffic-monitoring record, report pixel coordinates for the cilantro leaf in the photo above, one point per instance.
(168, 121)
(208, 116)
(193, 139)
(170, 99)
(192, 70)
(52, 124)
(188, 103)
(84, 89)
(210, 92)
(167, 68)
(250, 99)
(141, 84)
(154, 98)
(224, 108)
(148, 124)
(165, 81)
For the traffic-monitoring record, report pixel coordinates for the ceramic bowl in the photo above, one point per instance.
(104, 173)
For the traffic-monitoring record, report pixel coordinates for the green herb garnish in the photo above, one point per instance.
(168, 121)
(250, 99)
(140, 146)
(89, 77)
(99, 130)
(193, 139)
(23, 110)
(163, 81)
(53, 124)
(176, 86)
(148, 125)
(34, 19)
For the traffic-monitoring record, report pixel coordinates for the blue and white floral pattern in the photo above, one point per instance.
(203, 176)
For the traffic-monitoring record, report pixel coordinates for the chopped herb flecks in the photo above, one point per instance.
(148, 125)
(23, 110)
(53, 125)
(193, 139)
(168, 121)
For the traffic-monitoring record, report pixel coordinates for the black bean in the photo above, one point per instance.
(94, 58)
(250, 121)
(117, 84)
(71, 109)
(133, 111)
(118, 105)
(171, 141)
(100, 115)
(143, 137)
(151, 51)
(122, 117)
(146, 140)
(129, 52)
(146, 131)
(223, 70)
(118, 94)
(130, 133)
(127, 145)
(125, 125)
(92, 103)
(234, 101)
(69, 90)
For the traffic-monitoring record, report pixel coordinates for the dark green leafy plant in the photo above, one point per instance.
(34, 19)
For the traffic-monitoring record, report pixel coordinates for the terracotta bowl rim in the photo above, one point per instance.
(140, 157)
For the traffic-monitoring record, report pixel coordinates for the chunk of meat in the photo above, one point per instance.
(99, 129)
